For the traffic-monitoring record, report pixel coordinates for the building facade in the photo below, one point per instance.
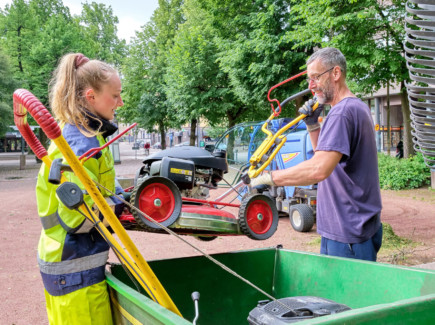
(378, 103)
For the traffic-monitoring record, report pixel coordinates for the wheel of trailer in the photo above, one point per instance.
(301, 217)
(159, 198)
(258, 216)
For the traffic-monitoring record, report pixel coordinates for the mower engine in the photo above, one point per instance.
(193, 170)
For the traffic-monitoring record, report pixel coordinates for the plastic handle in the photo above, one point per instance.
(277, 111)
(25, 101)
(195, 295)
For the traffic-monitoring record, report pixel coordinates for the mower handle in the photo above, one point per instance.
(277, 111)
(25, 101)
(260, 155)
(297, 95)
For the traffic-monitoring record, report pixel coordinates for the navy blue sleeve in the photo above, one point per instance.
(78, 142)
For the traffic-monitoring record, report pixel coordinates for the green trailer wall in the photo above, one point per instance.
(377, 293)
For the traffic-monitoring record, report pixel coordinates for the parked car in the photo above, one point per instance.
(157, 145)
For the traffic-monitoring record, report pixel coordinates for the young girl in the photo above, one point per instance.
(84, 95)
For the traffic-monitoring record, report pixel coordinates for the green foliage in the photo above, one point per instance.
(145, 67)
(208, 59)
(7, 85)
(254, 53)
(195, 85)
(398, 174)
(216, 131)
(101, 31)
(370, 33)
(36, 33)
(224, 58)
(394, 247)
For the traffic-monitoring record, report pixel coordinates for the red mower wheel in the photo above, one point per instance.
(159, 198)
(258, 217)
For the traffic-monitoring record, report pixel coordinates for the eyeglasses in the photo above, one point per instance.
(317, 78)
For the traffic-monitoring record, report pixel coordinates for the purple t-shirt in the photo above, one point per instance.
(349, 200)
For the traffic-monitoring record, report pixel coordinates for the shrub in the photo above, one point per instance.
(399, 174)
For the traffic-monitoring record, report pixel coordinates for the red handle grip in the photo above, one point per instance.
(25, 101)
(276, 112)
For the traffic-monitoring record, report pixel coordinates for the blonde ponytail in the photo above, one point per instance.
(74, 74)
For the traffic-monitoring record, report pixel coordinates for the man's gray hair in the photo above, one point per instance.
(330, 57)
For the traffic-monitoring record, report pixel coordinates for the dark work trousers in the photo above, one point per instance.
(367, 250)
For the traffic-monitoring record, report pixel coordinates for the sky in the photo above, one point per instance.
(132, 14)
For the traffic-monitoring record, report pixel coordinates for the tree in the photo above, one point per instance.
(18, 29)
(370, 33)
(153, 107)
(100, 29)
(195, 85)
(257, 55)
(225, 58)
(37, 33)
(145, 67)
(58, 34)
(254, 54)
(7, 86)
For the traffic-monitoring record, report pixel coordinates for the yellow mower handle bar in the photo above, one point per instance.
(278, 139)
(25, 101)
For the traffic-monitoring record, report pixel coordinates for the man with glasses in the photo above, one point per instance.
(344, 164)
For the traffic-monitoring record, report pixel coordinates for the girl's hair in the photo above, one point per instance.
(74, 74)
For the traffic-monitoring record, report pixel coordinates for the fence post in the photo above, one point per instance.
(22, 161)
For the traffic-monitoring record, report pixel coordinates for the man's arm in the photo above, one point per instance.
(314, 137)
(308, 172)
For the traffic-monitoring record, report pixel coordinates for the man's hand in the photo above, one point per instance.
(312, 116)
(265, 179)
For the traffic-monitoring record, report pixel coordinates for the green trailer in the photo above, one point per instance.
(377, 293)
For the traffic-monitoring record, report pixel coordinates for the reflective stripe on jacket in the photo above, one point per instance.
(71, 253)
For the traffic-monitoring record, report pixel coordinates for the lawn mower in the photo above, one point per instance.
(173, 187)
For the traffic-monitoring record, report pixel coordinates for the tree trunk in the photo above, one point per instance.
(162, 135)
(20, 63)
(230, 144)
(388, 120)
(193, 125)
(43, 139)
(408, 147)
